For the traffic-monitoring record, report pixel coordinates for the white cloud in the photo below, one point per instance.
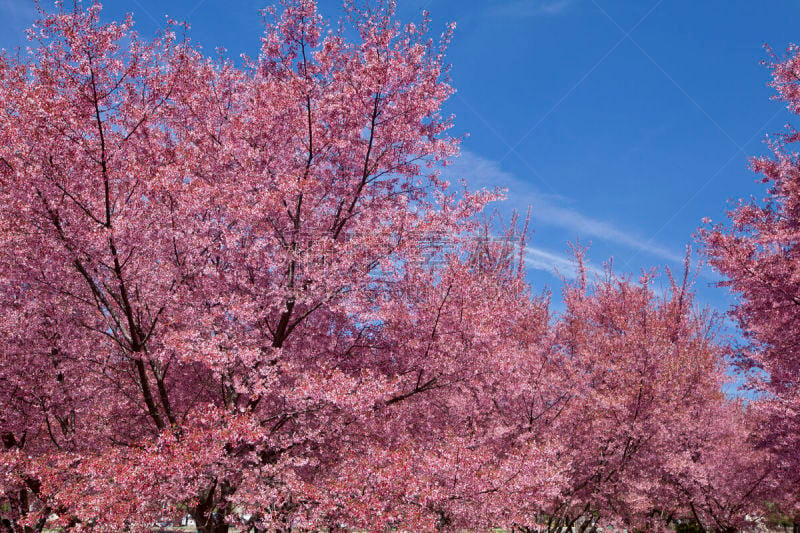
(531, 8)
(550, 209)
(554, 263)
(586, 226)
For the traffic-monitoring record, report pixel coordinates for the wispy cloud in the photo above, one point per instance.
(531, 8)
(554, 263)
(570, 219)
(550, 210)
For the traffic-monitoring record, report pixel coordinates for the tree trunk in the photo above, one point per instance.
(210, 522)
(207, 518)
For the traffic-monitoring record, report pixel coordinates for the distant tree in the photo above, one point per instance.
(647, 418)
(478, 451)
(719, 473)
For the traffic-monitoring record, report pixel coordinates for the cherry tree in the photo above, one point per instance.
(643, 366)
(722, 478)
(202, 264)
(479, 454)
(757, 255)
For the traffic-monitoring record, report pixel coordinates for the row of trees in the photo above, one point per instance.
(243, 292)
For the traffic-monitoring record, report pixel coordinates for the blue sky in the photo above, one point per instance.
(622, 123)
